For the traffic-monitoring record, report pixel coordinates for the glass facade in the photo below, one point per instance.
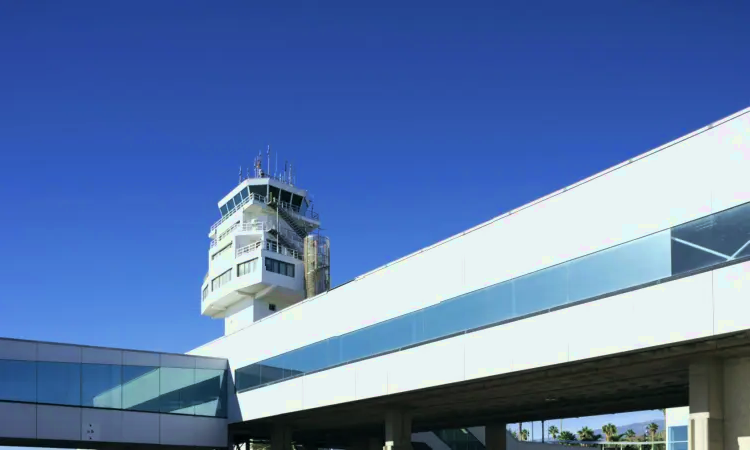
(201, 392)
(721, 238)
(280, 267)
(678, 438)
(221, 280)
(247, 267)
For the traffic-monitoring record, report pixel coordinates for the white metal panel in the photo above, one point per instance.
(661, 314)
(210, 363)
(279, 398)
(531, 348)
(140, 359)
(93, 355)
(101, 425)
(372, 378)
(140, 427)
(731, 287)
(730, 166)
(17, 420)
(58, 422)
(428, 365)
(18, 350)
(192, 431)
(177, 361)
(486, 351)
(58, 352)
(329, 387)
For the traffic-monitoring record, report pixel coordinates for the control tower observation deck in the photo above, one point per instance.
(263, 255)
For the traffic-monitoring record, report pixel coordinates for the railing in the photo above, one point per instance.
(248, 248)
(270, 246)
(251, 197)
(224, 234)
(256, 226)
(296, 210)
(280, 249)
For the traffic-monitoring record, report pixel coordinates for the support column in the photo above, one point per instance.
(397, 430)
(495, 436)
(737, 404)
(706, 405)
(281, 437)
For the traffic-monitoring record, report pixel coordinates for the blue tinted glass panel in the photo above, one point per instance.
(270, 373)
(237, 199)
(175, 386)
(247, 377)
(637, 262)
(58, 383)
(715, 239)
(541, 290)
(224, 210)
(18, 381)
(208, 393)
(230, 205)
(333, 352)
(140, 388)
(243, 193)
(678, 446)
(101, 386)
(379, 338)
(477, 309)
(308, 359)
(678, 433)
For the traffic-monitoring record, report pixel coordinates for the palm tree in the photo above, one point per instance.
(524, 434)
(585, 434)
(553, 432)
(514, 434)
(629, 435)
(567, 436)
(652, 428)
(610, 432)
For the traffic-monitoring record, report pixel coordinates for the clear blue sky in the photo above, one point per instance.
(123, 123)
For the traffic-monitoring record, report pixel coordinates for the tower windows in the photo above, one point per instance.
(280, 267)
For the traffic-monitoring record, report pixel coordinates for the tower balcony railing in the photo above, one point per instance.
(255, 227)
(296, 210)
(248, 248)
(250, 198)
(270, 246)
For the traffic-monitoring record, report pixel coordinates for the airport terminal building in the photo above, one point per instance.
(629, 290)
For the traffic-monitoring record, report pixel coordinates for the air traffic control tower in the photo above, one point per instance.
(266, 251)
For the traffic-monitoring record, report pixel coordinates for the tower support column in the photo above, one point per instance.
(495, 436)
(281, 437)
(706, 394)
(397, 430)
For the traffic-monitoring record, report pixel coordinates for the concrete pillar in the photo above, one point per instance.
(737, 404)
(706, 426)
(281, 437)
(397, 430)
(495, 436)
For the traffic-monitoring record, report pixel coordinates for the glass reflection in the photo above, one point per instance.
(140, 388)
(58, 383)
(175, 384)
(101, 386)
(18, 381)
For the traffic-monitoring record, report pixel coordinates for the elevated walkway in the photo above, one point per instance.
(55, 395)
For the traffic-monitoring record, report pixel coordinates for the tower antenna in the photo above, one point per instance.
(268, 157)
(240, 175)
